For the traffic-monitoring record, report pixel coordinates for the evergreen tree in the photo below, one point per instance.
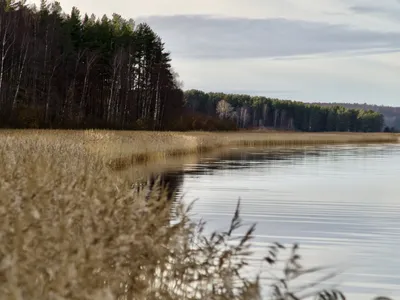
(284, 114)
(62, 70)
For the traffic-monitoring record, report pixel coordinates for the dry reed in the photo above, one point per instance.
(142, 146)
(139, 147)
(119, 148)
(70, 228)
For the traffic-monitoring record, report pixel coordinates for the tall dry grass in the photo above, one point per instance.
(71, 228)
(143, 146)
(127, 148)
(119, 149)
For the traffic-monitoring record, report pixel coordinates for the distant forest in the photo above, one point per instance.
(391, 114)
(252, 111)
(75, 71)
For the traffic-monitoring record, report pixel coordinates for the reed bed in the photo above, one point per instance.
(71, 228)
(165, 145)
(122, 149)
(139, 147)
(144, 146)
(119, 148)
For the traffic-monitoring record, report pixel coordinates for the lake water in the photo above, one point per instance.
(340, 203)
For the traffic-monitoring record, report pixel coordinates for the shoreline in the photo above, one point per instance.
(119, 149)
(197, 143)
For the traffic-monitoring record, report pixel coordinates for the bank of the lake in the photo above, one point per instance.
(132, 147)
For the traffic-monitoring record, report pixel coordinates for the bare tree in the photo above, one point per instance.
(224, 110)
(7, 39)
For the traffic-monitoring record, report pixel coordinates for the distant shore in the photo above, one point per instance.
(134, 147)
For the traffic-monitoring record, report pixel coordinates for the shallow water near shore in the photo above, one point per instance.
(340, 203)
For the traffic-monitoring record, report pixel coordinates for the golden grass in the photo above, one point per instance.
(123, 149)
(120, 149)
(132, 147)
(159, 144)
(71, 228)
(136, 147)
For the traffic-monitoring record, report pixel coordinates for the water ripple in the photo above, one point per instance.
(341, 203)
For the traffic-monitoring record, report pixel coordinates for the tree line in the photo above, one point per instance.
(61, 70)
(246, 111)
(391, 114)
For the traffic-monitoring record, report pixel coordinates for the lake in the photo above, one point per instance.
(340, 203)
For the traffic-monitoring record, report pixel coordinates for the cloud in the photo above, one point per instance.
(391, 11)
(381, 11)
(367, 9)
(210, 37)
(370, 79)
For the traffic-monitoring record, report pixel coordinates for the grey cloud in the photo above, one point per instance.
(382, 11)
(366, 9)
(202, 37)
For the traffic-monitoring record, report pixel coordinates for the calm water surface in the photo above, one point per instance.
(340, 203)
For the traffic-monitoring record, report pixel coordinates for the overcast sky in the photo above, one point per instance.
(308, 50)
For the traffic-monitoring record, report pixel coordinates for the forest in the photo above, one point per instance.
(391, 114)
(252, 111)
(62, 70)
(75, 71)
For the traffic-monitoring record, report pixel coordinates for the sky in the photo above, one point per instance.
(306, 50)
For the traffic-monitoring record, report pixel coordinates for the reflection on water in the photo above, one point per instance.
(339, 202)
